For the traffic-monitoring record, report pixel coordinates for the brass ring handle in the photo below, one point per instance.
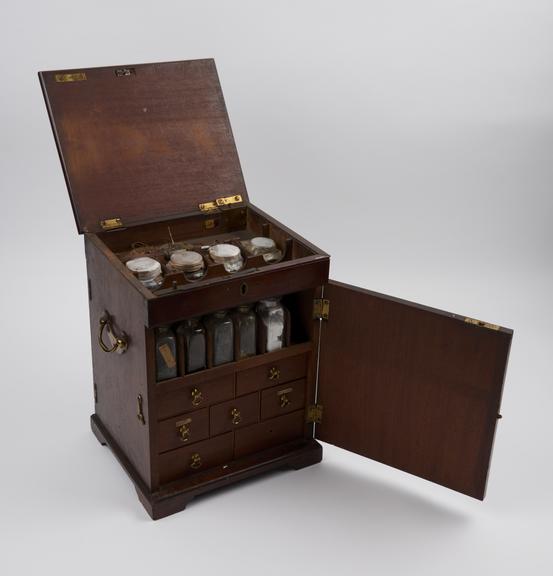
(284, 400)
(184, 432)
(195, 461)
(196, 396)
(119, 343)
(274, 373)
(183, 429)
(236, 416)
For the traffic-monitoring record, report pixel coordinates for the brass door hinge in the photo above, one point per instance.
(482, 324)
(321, 309)
(220, 203)
(314, 413)
(111, 224)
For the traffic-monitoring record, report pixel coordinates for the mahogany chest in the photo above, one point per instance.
(150, 161)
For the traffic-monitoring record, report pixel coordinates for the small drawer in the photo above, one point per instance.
(183, 430)
(195, 396)
(234, 414)
(196, 457)
(271, 373)
(282, 399)
(269, 433)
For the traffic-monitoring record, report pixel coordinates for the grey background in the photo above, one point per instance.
(411, 140)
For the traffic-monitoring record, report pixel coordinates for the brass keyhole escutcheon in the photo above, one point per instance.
(183, 429)
(196, 397)
(236, 416)
(274, 373)
(195, 461)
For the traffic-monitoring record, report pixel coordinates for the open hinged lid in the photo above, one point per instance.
(412, 387)
(142, 143)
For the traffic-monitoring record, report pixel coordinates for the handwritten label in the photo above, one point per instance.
(167, 355)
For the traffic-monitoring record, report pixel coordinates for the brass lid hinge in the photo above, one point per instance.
(111, 223)
(314, 413)
(482, 324)
(219, 203)
(321, 309)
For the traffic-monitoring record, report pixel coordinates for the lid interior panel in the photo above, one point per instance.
(145, 146)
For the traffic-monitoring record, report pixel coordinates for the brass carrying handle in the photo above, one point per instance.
(195, 461)
(236, 416)
(196, 396)
(274, 373)
(119, 343)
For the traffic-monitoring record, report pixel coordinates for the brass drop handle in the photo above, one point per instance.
(196, 397)
(236, 416)
(195, 461)
(183, 429)
(118, 343)
(283, 397)
(274, 373)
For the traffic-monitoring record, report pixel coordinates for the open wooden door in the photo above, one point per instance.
(412, 387)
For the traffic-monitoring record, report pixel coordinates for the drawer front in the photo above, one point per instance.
(234, 414)
(269, 433)
(196, 457)
(271, 374)
(282, 399)
(195, 396)
(183, 430)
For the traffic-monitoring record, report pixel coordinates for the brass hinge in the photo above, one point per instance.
(314, 413)
(482, 324)
(321, 308)
(111, 223)
(220, 203)
(74, 77)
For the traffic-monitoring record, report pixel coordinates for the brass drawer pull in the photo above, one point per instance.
(118, 343)
(183, 429)
(236, 416)
(274, 373)
(283, 396)
(196, 397)
(195, 461)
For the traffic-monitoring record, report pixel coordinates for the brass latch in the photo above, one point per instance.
(111, 223)
(482, 324)
(220, 203)
(321, 309)
(314, 413)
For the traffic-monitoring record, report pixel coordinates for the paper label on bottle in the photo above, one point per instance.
(167, 355)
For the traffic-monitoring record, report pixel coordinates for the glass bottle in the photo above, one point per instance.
(166, 353)
(245, 331)
(220, 337)
(262, 245)
(191, 346)
(228, 255)
(147, 270)
(273, 324)
(189, 262)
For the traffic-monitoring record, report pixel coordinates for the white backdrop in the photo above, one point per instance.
(411, 140)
